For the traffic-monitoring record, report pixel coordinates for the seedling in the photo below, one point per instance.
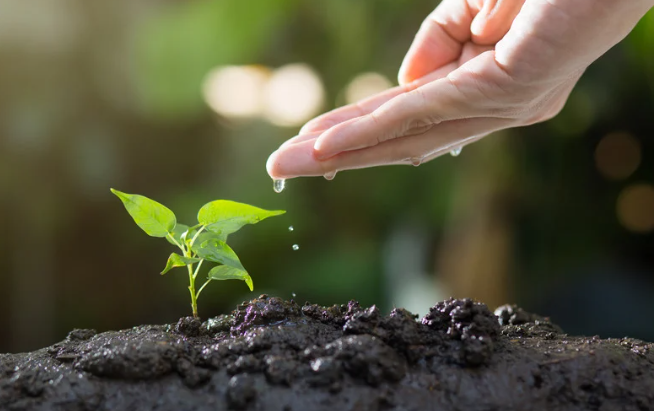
(205, 241)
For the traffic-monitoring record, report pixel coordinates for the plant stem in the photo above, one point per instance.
(191, 276)
(191, 288)
(202, 288)
(187, 252)
(195, 237)
(197, 270)
(181, 247)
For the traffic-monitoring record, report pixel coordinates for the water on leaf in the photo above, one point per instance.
(278, 185)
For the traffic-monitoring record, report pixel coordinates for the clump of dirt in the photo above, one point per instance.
(272, 354)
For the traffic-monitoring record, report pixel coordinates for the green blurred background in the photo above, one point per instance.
(183, 101)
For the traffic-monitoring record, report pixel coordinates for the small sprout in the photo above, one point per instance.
(205, 241)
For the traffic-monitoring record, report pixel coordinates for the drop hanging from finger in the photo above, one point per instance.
(455, 152)
(416, 161)
(278, 185)
(330, 175)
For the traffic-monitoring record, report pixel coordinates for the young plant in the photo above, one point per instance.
(202, 242)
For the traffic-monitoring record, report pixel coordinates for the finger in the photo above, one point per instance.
(406, 114)
(297, 160)
(302, 137)
(472, 50)
(361, 108)
(494, 20)
(448, 149)
(439, 40)
(420, 148)
(350, 111)
(473, 90)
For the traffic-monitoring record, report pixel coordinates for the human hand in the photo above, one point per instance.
(475, 66)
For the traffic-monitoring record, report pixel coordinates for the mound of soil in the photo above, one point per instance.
(271, 354)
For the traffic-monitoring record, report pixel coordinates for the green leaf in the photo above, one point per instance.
(208, 235)
(176, 260)
(177, 234)
(225, 217)
(224, 272)
(153, 218)
(218, 252)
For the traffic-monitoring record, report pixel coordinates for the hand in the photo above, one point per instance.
(475, 66)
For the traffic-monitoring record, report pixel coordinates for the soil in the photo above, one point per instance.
(271, 354)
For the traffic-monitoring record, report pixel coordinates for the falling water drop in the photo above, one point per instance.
(330, 175)
(296, 247)
(416, 161)
(290, 228)
(455, 152)
(278, 185)
(294, 295)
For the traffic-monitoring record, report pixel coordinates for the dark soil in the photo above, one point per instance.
(271, 354)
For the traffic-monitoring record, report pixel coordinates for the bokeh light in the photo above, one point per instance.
(617, 155)
(236, 91)
(636, 208)
(365, 85)
(293, 95)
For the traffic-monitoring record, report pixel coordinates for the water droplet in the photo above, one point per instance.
(294, 295)
(296, 247)
(330, 175)
(455, 152)
(278, 185)
(416, 161)
(290, 228)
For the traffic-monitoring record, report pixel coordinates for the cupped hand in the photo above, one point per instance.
(475, 66)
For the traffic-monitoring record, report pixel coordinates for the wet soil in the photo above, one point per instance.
(271, 354)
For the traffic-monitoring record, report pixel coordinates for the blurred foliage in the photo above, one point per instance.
(108, 104)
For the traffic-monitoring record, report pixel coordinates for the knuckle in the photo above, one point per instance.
(383, 133)
(418, 126)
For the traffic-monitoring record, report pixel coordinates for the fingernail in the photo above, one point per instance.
(318, 154)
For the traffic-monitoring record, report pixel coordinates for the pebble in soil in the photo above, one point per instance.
(272, 354)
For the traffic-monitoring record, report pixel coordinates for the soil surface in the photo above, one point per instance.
(271, 354)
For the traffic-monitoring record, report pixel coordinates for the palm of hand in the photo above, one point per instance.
(475, 66)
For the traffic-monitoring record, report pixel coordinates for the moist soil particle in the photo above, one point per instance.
(271, 354)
